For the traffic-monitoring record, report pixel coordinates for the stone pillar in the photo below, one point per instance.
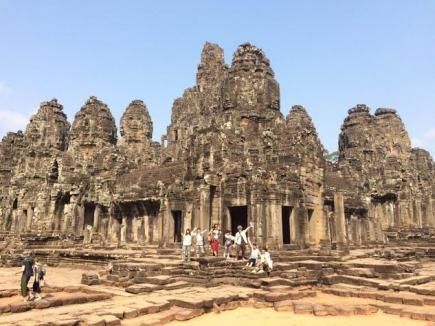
(340, 221)
(164, 218)
(354, 230)
(273, 221)
(302, 227)
(293, 226)
(29, 218)
(418, 215)
(97, 214)
(431, 210)
(188, 217)
(204, 207)
(80, 218)
(146, 228)
(371, 234)
(49, 222)
(430, 213)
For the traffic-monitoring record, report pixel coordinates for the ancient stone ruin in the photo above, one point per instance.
(229, 156)
(113, 207)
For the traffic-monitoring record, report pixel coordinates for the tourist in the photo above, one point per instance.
(240, 240)
(214, 242)
(38, 282)
(255, 253)
(266, 262)
(199, 237)
(187, 243)
(26, 274)
(229, 238)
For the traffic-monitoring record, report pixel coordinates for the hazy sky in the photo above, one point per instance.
(327, 55)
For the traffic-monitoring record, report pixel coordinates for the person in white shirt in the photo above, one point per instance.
(187, 243)
(255, 253)
(241, 240)
(199, 237)
(229, 238)
(266, 262)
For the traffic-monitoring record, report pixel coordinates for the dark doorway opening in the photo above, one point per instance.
(239, 216)
(286, 213)
(176, 215)
(89, 214)
(310, 214)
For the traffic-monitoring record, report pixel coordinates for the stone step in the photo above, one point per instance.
(347, 279)
(157, 280)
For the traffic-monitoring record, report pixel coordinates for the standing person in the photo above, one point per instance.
(214, 242)
(255, 253)
(26, 274)
(199, 236)
(187, 243)
(241, 240)
(229, 238)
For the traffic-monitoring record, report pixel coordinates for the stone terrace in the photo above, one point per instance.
(151, 286)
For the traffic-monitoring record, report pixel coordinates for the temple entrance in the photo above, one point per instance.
(239, 216)
(286, 213)
(89, 214)
(176, 215)
(311, 227)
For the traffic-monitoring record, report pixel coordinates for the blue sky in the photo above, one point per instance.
(327, 55)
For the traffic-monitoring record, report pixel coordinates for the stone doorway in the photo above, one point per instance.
(238, 216)
(286, 225)
(178, 227)
(89, 214)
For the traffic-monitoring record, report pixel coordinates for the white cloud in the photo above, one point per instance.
(12, 121)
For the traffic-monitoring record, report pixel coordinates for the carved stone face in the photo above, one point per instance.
(93, 125)
(136, 124)
(251, 85)
(48, 127)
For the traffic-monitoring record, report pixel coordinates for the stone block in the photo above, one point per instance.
(412, 300)
(286, 305)
(42, 304)
(392, 298)
(130, 313)
(65, 322)
(418, 315)
(19, 307)
(345, 310)
(91, 320)
(4, 308)
(188, 314)
(303, 308)
(275, 296)
(320, 310)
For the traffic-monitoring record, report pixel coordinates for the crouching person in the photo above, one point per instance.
(266, 262)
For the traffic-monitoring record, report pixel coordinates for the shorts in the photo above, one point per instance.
(252, 261)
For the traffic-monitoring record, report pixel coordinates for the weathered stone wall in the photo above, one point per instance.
(229, 157)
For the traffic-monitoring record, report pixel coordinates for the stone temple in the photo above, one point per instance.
(229, 156)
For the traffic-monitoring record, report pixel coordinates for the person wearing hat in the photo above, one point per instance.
(26, 274)
(241, 240)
